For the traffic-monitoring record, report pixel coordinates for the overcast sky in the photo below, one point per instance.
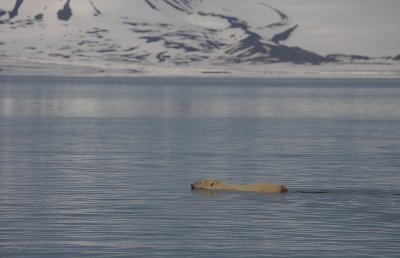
(369, 27)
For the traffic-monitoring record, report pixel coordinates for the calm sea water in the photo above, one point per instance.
(103, 167)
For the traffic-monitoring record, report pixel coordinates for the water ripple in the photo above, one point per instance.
(98, 170)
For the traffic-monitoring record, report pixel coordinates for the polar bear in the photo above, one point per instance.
(211, 184)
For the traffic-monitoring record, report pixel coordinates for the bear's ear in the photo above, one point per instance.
(214, 183)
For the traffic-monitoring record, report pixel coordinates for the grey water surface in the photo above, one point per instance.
(103, 167)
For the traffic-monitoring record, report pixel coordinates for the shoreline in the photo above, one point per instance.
(40, 69)
(161, 80)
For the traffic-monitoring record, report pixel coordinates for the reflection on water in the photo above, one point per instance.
(217, 98)
(102, 168)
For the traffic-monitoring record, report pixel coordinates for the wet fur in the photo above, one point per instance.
(211, 184)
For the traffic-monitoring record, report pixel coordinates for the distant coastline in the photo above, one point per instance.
(21, 67)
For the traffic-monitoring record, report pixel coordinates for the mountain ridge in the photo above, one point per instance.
(156, 32)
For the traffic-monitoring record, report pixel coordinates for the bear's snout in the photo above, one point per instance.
(194, 185)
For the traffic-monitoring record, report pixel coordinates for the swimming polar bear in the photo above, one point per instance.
(211, 184)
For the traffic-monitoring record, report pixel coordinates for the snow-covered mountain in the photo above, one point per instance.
(166, 33)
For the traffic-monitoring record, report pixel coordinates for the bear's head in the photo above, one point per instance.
(208, 184)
